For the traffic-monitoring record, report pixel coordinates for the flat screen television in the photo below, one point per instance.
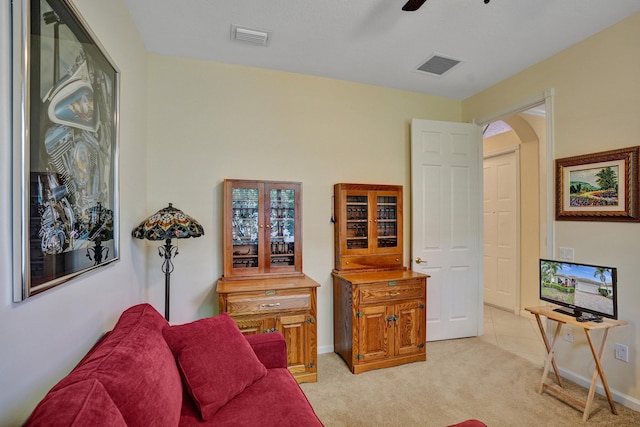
(587, 292)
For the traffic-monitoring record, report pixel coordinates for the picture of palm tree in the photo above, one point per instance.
(553, 284)
(601, 273)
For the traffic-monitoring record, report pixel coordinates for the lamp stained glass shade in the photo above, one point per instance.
(168, 223)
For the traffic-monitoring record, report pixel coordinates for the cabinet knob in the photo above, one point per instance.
(420, 260)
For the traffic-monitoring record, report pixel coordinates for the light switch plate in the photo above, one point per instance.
(566, 254)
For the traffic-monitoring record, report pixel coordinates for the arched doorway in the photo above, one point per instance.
(512, 243)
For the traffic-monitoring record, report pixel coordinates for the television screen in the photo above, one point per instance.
(583, 288)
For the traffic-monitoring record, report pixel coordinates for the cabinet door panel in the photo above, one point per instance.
(374, 329)
(355, 222)
(410, 328)
(282, 229)
(255, 326)
(387, 223)
(295, 332)
(244, 240)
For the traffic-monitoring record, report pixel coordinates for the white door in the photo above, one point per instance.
(446, 224)
(501, 231)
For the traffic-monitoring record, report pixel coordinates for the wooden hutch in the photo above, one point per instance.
(263, 287)
(379, 307)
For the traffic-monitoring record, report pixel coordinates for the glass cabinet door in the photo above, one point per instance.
(368, 232)
(282, 226)
(357, 233)
(387, 221)
(262, 235)
(244, 227)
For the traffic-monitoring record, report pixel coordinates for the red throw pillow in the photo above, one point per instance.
(216, 361)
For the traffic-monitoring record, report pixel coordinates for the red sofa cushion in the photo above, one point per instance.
(275, 400)
(270, 348)
(137, 369)
(216, 361)
(85, 403)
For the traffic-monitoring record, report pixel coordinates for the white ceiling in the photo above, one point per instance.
(374, 41)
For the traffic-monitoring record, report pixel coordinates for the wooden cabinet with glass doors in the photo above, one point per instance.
(263, 287)
(379, 307)
(262, 236)
(368, 231)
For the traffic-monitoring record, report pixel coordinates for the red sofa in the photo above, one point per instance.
(147, 373)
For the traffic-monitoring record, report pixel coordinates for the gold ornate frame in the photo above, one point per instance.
(579, 197)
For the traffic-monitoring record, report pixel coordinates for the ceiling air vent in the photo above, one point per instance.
(438, 65)
(250, 35)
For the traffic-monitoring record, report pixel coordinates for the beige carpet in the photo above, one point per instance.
(461, 379)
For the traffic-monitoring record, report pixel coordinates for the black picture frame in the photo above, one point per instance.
(65, 128)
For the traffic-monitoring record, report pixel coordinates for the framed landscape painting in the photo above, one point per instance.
(65, 127)
(598, 187)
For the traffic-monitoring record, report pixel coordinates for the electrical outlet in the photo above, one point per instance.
(568, 334)
(622, 352)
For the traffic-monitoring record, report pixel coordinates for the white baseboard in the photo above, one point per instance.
(325, 349)
(618, 397)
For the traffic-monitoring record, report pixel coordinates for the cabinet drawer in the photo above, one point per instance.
(391, 291)
(262, 302)
(369, 261)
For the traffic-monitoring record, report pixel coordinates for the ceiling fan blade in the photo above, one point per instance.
(412, 5)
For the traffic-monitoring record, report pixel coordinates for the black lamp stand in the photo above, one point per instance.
(167, 252)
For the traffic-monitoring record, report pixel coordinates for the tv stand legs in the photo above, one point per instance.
(597, 372)
(550, 352)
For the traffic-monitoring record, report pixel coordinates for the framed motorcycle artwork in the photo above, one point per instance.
(65, 151)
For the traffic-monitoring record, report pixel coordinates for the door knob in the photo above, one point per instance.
(420, 260)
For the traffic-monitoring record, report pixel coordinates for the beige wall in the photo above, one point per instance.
(210, 121)
(596, 87)
(43, 337)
